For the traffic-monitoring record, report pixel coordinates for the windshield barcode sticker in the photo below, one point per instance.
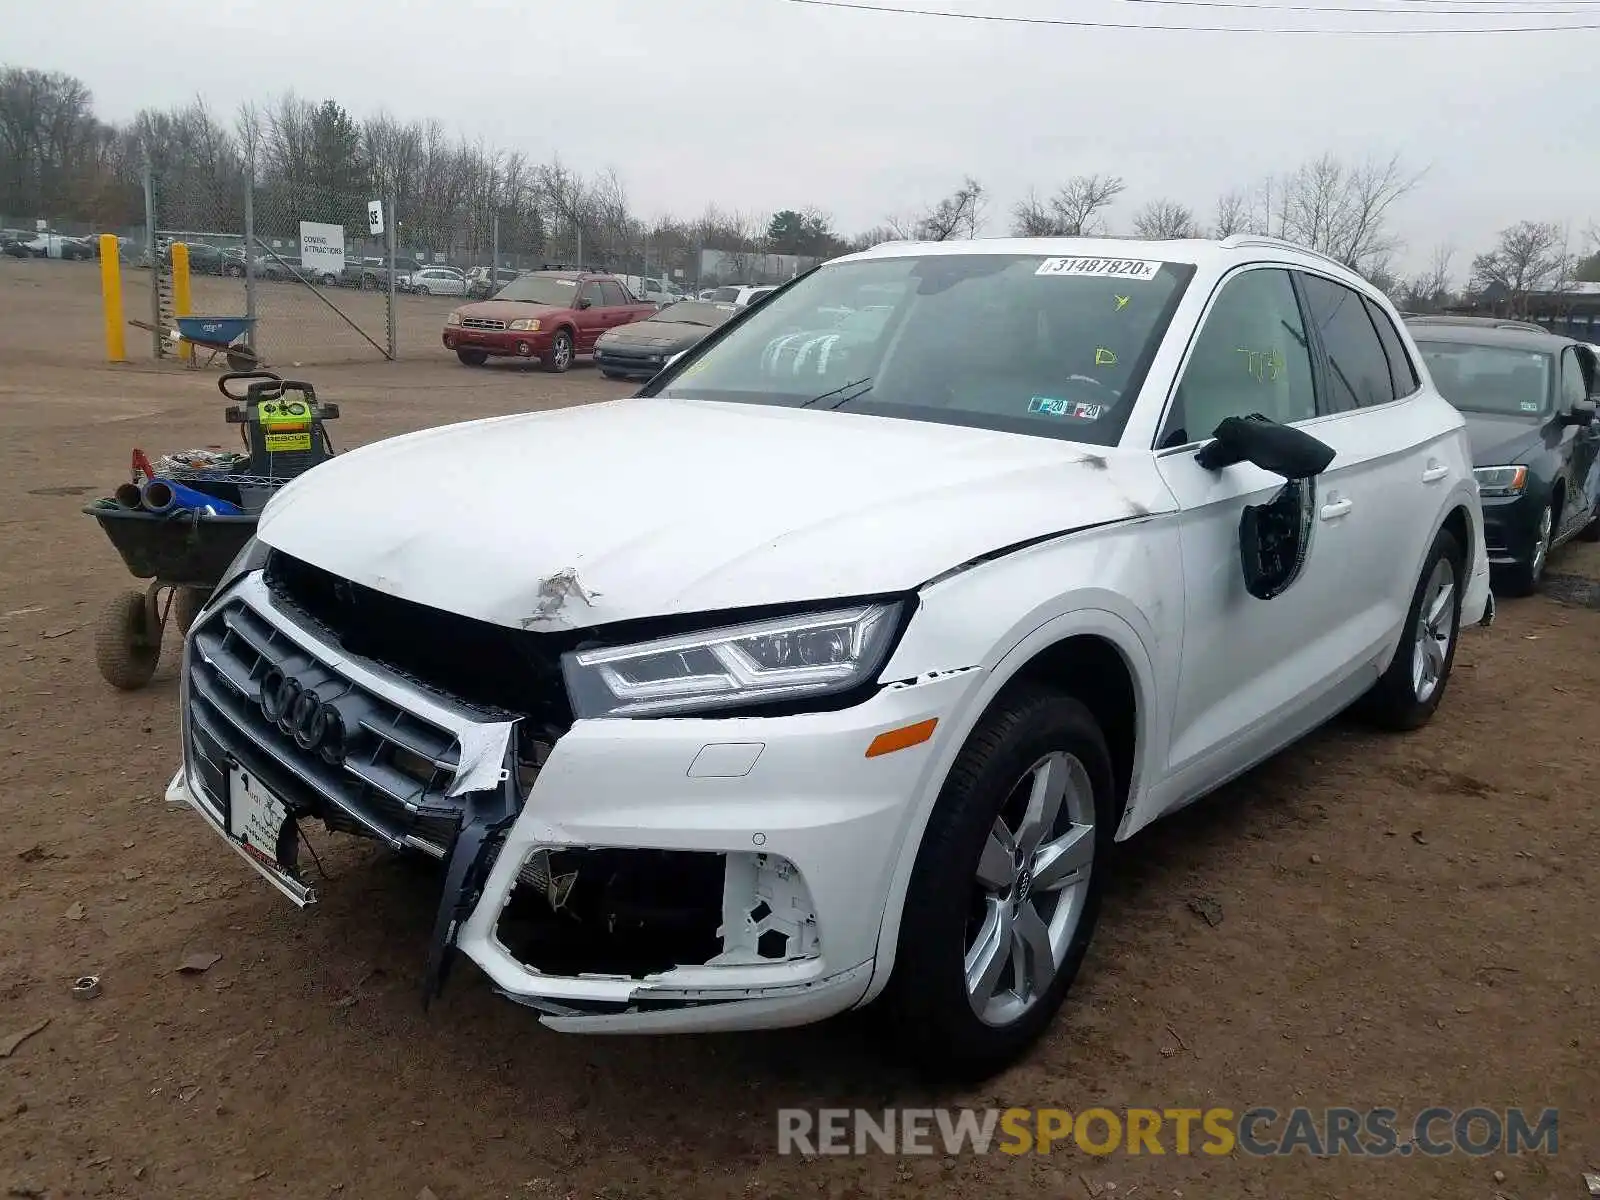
(1110, 268)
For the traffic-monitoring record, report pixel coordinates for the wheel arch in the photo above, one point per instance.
(1119, 690)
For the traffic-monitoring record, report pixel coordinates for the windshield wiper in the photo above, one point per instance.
(853, 395)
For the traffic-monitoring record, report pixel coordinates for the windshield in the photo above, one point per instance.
(696, 312)
(1056, 347)
(724, 294)
(558, 290)
(1495, 380)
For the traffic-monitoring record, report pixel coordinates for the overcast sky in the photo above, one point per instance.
(764, 104)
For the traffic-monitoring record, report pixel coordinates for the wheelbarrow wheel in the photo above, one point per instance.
(126, 649)
(242, 358)
(186, 606)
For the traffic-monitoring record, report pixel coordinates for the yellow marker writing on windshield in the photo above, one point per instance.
(1104, 358)
(1122, 302)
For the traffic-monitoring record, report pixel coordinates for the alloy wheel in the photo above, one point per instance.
(1031, 884)
(1541, 550)
(1436, 627)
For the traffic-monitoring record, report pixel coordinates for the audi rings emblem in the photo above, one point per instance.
(298, 711)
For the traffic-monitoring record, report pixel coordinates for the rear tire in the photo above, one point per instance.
(126, 649)
(472, 358)
(1409, 692)
(946, 971)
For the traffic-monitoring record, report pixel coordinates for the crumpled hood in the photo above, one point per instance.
(651, 507)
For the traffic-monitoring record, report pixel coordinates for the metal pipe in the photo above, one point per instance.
(249, 254)
(157, 346)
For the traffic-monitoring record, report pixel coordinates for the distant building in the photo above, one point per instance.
(1572, 312)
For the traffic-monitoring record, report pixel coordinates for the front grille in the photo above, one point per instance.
(481, 323)
(457, 657)
(396, 768)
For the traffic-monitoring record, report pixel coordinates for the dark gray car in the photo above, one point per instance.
(639, 350)
(1529, 403)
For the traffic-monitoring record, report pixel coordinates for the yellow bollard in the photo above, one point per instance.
(180, 292)
(111, 294)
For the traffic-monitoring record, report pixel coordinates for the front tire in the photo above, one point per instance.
(420, 291)
(1006, 888)
(559, 357)
(1409, 692)
(1523, 579)
(472, 358)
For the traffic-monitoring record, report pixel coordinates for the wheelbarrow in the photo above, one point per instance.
(183, 552)
(229, 336)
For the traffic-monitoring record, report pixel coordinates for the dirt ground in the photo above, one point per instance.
(1404, 921)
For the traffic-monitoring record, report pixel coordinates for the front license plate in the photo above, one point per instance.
(260, 825)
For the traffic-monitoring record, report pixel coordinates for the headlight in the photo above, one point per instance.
(813, 654)
(525, 325)
(252, 558)
(453, 319)
(1500, 481)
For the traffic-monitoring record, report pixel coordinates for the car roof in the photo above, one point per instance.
(1481, 322)
(1209, 254)
(1490, 335)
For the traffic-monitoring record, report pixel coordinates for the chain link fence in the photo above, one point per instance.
(295, 259)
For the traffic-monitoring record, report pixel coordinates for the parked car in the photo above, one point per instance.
(819, 675)
(740, 296)
(435, 281)
(206, 259)
(16, 244)
(550, 315)
(372, 274)
(480, 286)
(281, 267)
(1416, 321)
(55, 245)
(639, 350)
(657, 291)
(1529, 400)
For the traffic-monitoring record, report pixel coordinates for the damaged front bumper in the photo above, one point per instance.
(747, 860)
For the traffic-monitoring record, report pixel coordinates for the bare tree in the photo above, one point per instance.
(1160, 220)
(1083, 200)
(957, 215)
(1430, 290)
(1531, 256)
(1233, 214)
(1032, 217)
(1342, 209)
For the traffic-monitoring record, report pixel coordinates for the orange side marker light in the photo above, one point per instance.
(902, 738)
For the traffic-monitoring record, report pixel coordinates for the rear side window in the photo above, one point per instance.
(1402, 373)
(612, 295)
(1358, 369)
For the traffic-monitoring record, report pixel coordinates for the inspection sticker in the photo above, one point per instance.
(1109, 268)
(1065, 408)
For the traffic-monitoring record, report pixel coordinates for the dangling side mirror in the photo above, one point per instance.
(1274, 537)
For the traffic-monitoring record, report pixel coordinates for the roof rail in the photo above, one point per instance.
(1238, 241)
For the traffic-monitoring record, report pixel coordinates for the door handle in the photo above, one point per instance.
(1336, 509)
(1435, 472)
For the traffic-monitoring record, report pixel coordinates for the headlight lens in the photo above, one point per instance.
(453, 319)
(812, 654)
(525, 325)
(1500, 481)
